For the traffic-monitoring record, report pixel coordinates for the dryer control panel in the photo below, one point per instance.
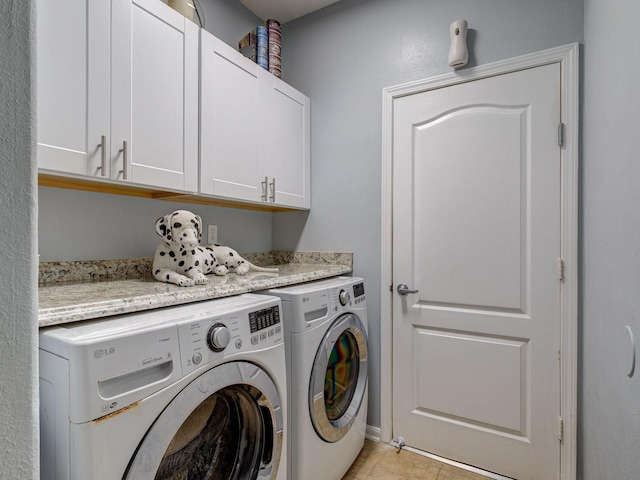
(347, 296)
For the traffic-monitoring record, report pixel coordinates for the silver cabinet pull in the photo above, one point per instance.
(125, 152)
(263, 197)
(404, 290)
(103, 155)
(272, 197)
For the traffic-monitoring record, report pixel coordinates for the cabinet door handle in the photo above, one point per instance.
(125, 154)
(272, 197)
(264, 189)
(103, 155)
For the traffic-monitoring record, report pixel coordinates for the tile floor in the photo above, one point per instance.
(381, 461)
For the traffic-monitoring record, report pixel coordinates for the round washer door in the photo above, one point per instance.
(338, 378)
(226, 424)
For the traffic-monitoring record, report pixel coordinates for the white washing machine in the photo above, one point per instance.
(325, 326)
(190, 392)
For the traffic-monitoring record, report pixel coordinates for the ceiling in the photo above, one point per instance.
(284, 10)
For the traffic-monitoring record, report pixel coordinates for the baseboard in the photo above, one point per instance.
(372, 433)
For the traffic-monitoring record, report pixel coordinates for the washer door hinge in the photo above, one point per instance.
(561, 269)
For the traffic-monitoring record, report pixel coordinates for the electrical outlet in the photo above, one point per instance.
(212, 234)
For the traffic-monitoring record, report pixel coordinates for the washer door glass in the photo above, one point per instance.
(339, 378)
(218, 427)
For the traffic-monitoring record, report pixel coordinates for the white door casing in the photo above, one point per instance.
(450, 305)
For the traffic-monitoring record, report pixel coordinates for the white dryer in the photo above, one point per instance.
(325, 325)
(196, 391)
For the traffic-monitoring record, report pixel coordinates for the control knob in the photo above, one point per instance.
(344, 297)
(218, 337)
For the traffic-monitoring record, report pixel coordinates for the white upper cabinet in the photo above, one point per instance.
(254, 131)
(73, 86)
(287, 149)
(118, 92)
(229, 122)
(129, 93)
(154, 85)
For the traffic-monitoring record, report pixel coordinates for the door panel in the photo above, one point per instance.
(476, 361)
(287, 143)
(474, 193)
(155, 95)
(152, 40)
(73, 85)
(230, 124)
(476, 230)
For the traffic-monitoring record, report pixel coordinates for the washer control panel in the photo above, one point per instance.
(209, 338)
(347, 296)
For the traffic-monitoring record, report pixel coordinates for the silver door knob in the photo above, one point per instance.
(404, 290)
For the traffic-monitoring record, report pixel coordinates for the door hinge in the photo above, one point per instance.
(561, 269)
(391, 288)
(560, 429)
(561, 134)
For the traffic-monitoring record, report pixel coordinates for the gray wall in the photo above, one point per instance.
(342, 57)
(91, 226)
(609, 422)
(228, 20)
(18, 280)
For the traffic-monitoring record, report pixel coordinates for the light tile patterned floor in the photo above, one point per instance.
(381, 461)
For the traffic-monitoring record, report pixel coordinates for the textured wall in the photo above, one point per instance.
(18, 283)
(609, 428)
(342, 57)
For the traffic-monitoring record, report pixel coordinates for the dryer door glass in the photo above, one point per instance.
(218, 427)
(339, 378)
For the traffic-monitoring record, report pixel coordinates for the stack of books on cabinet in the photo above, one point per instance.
(263, 45)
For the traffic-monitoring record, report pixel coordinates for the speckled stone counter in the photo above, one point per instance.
(74, 291)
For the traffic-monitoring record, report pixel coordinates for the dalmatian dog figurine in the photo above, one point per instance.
(180, 259)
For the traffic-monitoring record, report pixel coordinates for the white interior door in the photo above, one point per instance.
(476, 230)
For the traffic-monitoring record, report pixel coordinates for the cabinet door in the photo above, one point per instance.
(229, 122)
(287, 144)
(155, 95)
(73, 85)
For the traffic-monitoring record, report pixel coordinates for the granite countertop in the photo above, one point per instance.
(103, 288)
